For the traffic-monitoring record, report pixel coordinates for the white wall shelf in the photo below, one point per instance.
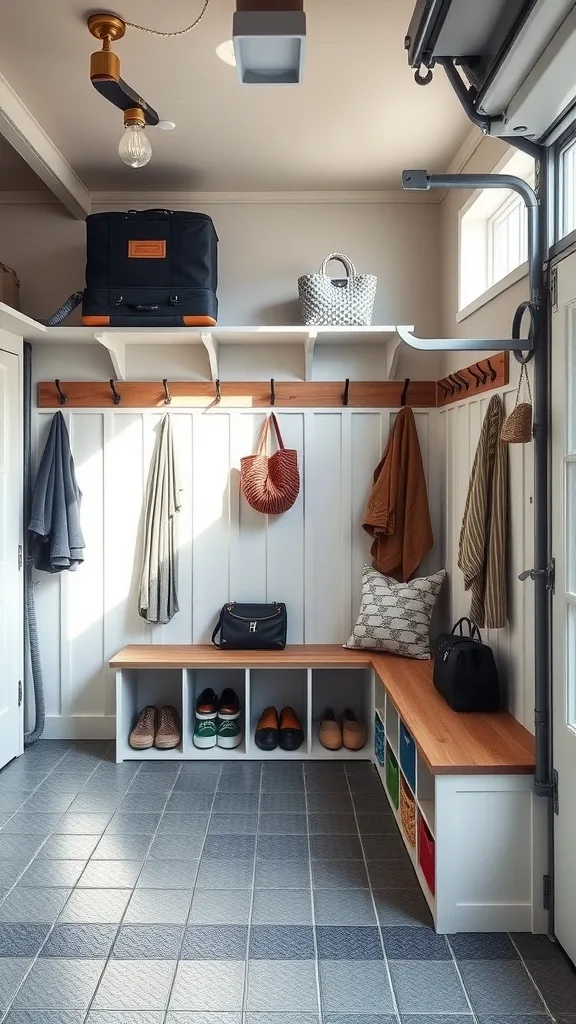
(306, 339)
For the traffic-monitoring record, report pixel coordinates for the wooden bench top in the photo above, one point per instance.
(208, 656)
(451, 743)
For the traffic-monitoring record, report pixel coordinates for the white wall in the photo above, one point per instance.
(311, 557)
(460, 430)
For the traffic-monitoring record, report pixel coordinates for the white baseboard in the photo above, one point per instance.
(79, 727)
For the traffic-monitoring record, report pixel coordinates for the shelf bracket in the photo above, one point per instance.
(117, 352)
(464, 344)
(212, 348)
(392, 355)
(309, 346)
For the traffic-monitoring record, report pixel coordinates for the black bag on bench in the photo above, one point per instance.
(465, 671)
(251, 627)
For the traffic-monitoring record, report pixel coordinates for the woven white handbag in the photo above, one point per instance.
(332, 302)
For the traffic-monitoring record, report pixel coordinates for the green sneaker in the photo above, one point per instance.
(229, 734)
(205, 733)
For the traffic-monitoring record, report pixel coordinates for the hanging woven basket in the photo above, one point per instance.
(270, 484)
(517, 427)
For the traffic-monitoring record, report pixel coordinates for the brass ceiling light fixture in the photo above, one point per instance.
(134, 148)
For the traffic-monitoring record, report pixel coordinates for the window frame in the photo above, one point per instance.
(512, 203)
(475, 240)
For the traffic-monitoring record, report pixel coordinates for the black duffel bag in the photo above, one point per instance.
(150, 268)
(465, 671)
(251, 627)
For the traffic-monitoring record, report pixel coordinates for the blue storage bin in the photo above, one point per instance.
(379, 740)
(408, 756)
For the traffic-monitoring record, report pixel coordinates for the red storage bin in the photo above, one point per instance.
(427, 854)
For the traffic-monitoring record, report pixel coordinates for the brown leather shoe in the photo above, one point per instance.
(353, 732)
(291, 732)
(330, 733)
(169, 731)
(143, 733)
(267, 731)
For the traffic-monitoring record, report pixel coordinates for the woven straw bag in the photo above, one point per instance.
(270, 484)
(332, 302)
(517, 427)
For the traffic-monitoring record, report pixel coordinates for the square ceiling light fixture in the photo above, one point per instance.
(269, 40)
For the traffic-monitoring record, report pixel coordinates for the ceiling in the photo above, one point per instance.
(356, 121)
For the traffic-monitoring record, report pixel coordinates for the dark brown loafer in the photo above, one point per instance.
(267, 731)
(291, 732)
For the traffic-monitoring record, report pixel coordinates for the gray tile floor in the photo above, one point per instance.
(234, 894)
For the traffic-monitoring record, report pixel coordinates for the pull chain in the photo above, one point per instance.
(180, 32)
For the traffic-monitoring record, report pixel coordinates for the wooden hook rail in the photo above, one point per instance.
(236, 394)
(485, 375)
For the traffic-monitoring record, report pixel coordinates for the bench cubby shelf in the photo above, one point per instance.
(460, 786)
(260, 680)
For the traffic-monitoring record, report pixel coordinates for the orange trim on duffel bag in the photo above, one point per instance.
(96, 321)
(199, 321)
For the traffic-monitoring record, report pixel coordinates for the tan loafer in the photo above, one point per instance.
(353, 732)
(330, 733)
(143, 733)
(169, 731)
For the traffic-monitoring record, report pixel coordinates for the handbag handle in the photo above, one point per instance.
(473, 631)
(347, 264)
(523, 373)
(264, 435)
(217, 630)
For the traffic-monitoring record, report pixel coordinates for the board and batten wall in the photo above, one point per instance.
(459, 428)
(311, 557)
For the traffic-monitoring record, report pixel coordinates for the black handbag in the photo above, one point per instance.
(251, 627)
(465, 671)
(150, 268)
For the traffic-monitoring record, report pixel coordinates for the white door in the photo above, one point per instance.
(563, 474)
(11, 607)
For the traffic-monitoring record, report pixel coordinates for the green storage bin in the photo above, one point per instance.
(392, 777)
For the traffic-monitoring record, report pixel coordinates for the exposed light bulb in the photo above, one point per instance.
(134, 148)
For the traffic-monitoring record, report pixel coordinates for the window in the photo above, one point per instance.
(567, 189)
(493, 238)
(507, 239)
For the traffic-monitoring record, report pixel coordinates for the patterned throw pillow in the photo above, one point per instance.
(395, 617)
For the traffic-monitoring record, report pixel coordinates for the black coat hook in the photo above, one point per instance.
(167, 395)
(61, 396)
(445, 391)
(462, 380)
(346, 391)
(272, 392)
(405, 392)
(492, 371)
(117, 398)
(218, 395)
(482, 373)
(456, 383)
(478, 379)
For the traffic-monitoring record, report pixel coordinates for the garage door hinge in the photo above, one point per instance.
(554, 289)
(19, 693)
(547, 892)
(555, 792)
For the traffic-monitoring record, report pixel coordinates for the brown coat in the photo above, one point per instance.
(397, 515)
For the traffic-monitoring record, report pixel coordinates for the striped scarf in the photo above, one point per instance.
(482, 547)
